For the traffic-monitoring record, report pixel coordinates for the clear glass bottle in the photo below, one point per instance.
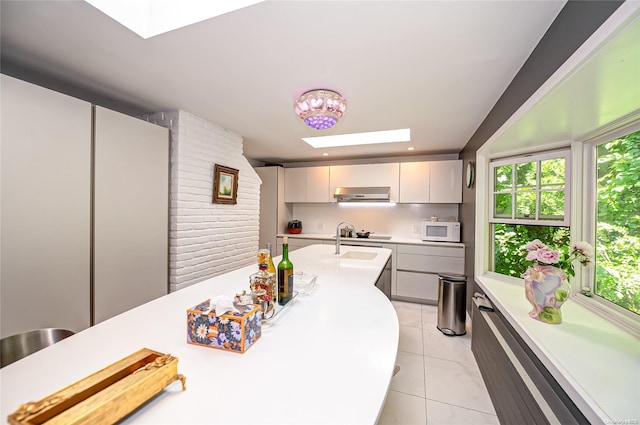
(285, 275)
(263, 288)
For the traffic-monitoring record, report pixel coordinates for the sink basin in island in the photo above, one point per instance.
(359, 255)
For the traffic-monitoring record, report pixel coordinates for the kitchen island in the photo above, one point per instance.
(328, 359)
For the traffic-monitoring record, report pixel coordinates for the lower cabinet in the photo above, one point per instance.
(418, 268)
(522, 390)
(423, 286)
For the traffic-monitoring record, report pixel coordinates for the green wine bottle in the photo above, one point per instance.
(285, 275)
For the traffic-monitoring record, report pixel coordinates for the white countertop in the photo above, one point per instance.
(596, 363)
(372, 238)
(329, 359)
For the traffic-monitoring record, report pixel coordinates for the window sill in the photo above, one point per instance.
(594, 361)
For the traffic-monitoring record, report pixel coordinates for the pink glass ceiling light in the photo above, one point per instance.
(320, 109)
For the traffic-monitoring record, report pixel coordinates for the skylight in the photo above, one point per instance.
(353, 139)
(148, 18)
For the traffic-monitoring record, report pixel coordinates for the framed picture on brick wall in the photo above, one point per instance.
(225, 185)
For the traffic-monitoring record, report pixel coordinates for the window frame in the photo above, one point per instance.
(590, 176)
(537, 158)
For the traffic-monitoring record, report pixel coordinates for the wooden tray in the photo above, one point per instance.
(105, 396)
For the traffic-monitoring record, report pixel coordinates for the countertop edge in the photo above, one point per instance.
(393, 240)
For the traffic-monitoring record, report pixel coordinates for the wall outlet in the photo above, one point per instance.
(416, 229)
(320, 226)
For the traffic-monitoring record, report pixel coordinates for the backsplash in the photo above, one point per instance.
(400, 220)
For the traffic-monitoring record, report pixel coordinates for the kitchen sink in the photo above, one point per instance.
(359, 255)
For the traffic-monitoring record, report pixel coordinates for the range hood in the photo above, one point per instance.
(368, 194)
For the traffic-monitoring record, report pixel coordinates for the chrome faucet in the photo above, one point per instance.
(338, 234)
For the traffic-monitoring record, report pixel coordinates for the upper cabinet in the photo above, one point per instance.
(318, 184)
(445, 182)
(295, 185)
(431, 182)
(414, 182)
(307, 184)
(367, 175)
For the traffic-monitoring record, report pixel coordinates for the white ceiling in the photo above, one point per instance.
(437, 67)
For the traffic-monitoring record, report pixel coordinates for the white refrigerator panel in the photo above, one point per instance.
(131, 213)
(46, 190)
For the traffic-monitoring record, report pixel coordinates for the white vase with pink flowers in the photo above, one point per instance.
(546, 285)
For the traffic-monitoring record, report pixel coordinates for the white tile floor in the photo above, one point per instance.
(439, 381)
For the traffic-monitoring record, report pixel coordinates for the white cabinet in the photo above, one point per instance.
(366, 175)
(306, 184)
(73, 248)
(431, 182)
(46, 201)
(131, 213)
(417, 286)
(414, 182)
(409, 182)
(445, 182)
(418, 267)
(295, 185)
(318, 184)
(273, 211)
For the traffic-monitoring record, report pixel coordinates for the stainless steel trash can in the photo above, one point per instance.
(452, 304)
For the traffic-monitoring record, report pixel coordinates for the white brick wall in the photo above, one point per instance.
(207, 239)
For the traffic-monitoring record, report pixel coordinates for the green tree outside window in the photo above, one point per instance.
(618, 222)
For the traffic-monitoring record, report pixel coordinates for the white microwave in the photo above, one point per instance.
(440, 231)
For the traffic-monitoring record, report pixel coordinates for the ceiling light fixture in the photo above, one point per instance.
(320, 109)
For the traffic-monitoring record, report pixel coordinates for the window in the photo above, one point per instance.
(530, 200)
(617, 221)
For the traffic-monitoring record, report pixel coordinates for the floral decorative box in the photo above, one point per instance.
(231, 331)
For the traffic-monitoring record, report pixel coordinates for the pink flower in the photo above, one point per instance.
(547, 255)
(541, 256)
(532, 255)
(534, 245)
